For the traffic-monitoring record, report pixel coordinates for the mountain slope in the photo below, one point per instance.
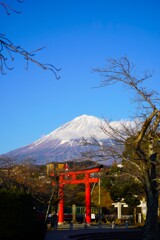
(63, 144)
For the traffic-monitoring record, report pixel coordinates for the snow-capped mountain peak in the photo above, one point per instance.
(83, 126)
(62, 143)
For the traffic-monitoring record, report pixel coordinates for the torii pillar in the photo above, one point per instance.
(88, 199)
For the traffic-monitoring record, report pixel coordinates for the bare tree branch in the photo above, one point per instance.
(8, 49)
(122, 71)
(8, 8)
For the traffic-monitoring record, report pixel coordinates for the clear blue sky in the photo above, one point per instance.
(79, 35)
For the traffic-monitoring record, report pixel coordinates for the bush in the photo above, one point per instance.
(17, 215)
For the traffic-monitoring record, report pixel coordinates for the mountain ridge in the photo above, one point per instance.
(62, 144)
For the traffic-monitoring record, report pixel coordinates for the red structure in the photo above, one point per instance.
(84, 176)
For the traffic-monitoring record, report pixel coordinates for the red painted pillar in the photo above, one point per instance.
(88, 199)
(61, 203)
(61, 211)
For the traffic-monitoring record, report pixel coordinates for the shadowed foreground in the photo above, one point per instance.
(95, 234)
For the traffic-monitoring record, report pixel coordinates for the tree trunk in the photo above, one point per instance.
(151, 224)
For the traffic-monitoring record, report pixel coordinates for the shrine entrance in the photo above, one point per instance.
(85, 177)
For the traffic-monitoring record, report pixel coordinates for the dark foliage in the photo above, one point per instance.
(18, 218)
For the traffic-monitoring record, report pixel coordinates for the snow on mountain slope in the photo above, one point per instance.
(83, 126)
(62, 144)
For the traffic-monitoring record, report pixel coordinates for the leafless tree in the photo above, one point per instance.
(138, 145)
(8, 50)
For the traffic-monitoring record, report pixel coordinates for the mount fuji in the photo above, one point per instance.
(63, 144)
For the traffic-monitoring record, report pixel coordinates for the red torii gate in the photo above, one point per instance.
(70, 178)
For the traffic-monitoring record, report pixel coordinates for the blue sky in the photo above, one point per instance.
(79, 35)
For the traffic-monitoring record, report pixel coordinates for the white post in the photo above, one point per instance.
(143, 206)
(119, 205)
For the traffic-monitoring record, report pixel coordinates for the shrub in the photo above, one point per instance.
(16, 213)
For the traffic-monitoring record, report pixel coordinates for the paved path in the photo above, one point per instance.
(92, 232)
